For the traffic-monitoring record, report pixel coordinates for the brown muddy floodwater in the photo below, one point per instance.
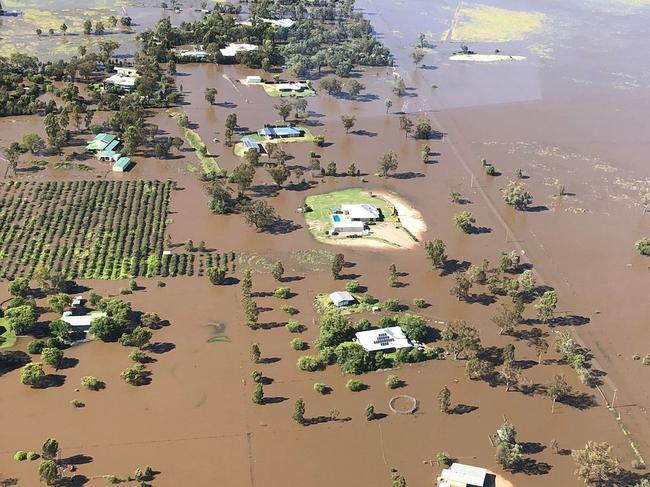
(574, 112)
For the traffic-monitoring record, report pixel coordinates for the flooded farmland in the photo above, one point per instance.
(571, 114)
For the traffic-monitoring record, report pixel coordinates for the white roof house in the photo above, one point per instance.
(126, 71)
(363, 212)
(280, 22)
(345, 225)
(383, 339)
(233, 48)
(291, 86)
(122, 81)
(253, 79)
(342, 298)
(459, 475)
(81, 322)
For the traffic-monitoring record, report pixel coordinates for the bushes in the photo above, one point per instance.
(294, 327)
(353, 358)
(353, 286)
(298, 344)
(419, 303)
(35, 347)
(392, 305)
(290, 310)
(393, 382)
(134, 375)
(309, 363)
(643, 246)
(355, 385)
(91, 383)
(282, 293)
(20, 455)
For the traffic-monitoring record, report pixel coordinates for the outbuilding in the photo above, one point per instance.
(81, 322)
(459, 475)
(250, 144)
(122, 164)
(253, 79)
(362, 213)
(383, 339)
(342, 298)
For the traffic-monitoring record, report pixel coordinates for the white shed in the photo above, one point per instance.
(342, 298)
(253, 79)
(459, 475)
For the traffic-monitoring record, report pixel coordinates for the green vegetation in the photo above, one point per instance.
(20, 455)
(354, 385)
(7, 334)
(321, 388)
(322, 204)
(643, 246)
(393, 382)
(208, 163)
(272, 90)
(306, 136)
(91, 383)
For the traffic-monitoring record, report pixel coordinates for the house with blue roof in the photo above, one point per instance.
(279, 132)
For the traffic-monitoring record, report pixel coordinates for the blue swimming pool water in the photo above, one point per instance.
(336, 218)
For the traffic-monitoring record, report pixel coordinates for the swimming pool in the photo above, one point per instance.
(336, 218)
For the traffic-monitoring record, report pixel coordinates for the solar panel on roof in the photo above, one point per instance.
(383, 339)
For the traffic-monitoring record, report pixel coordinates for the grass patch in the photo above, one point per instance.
(193, 138)
(7, 335)
(483, 23)
(318, 219)
(272, 90)
(306, 137)
(323, 303)
(313, 260)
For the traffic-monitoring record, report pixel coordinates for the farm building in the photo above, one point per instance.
(253, 79)
(195, 54)
(342, 224)
(125, 71)
(342, 298)
(362, 213)
(101, 142)
(250, 144)
(233, 48)
(384, 339)
(78, 317)
(279, 132)
(459, 475)
(122, 164)
(291, 87)
(121, 81)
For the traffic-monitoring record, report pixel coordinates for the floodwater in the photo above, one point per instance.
(574, 114)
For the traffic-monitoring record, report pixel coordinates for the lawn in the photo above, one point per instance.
(319, 218)
(7, 335)
(208, 162)
(323, 303)
(306, 137)
(271, 90)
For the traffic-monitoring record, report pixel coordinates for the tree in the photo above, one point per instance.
(546, 306)
(258, 395)
(139, 337)
(134, 375)
(243, 176)
(331, 85)
(112, 20)
(251, 311)
(52, 357)
(19, 287)
(477, 369)
(99, 28)
(461, 287)
(32, 374)
(210, 95)
(643, 246)
(299, 411)
(558, 389)
(507, 319)
(60, 329)
(422, 40)
(387, 163)
(88, 27)
(399, 87)
(106, 328)
(260, 214)
(33, 143)
(247, 284)
(510, 374)
(406, 124)
(393, 276)
(444, 399)
(337, 265)
(277, 271)
(50, 448)
(58, 302)
(418, 55)
(63, 28)
(216, 275)
(21, 318)
(280, 173)
(39, 32)
(423, 129)
(353, 358)
(426, 153)
(255, 353)
(541, 347)
(12, 154)
(462, 339)
(48, 472)
(369, 412)
(284, 109)
(397, 480)
(465, 221)
(595, 464)
(348, 122)
(388, 104)
(334, 329)
(516, 195)
(354, 88)
(436, 253)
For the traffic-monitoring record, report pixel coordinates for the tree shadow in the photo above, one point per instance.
(274, 400)
(478, 230)
(161, 347)
(270, 325)
(230, 281)
(531, 448)
(68, 363)
(379, 416)
(281, 227)
(407, 175)
(530, 466)
(571, 320)
(525, 364)
(482, 298)
(578, 400)
(536, 209)
(265, 190)
(364, 133)
(77, 460)
(52, 380)
(291, 278)
(269, 360)
(12, 360)
(461, 409)
(451, 266)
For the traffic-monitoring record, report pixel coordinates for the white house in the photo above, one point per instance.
(459, 475)
(81, 322)
(123, 81)
(253, 79)
(233, 48)
(126, 71)
(291, 87)
(342, 298)
(363, 212)
(392, 338)
(342, 224)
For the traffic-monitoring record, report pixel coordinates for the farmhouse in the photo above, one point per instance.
(78, 317)
(384, 339)
(253, 79)
(279, 132)
(189, 55)
(297, 87)
(101, 142)
(250, 144)
(362, 213)
(233, 48)
(124, 79)
(342, 224)
(459, 475)
(342, 298)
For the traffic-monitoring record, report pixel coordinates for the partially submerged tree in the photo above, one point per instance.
(444, 399)
(260, 214)
(596, 466)
(387, 163)
(515, 194)
(436, 253)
